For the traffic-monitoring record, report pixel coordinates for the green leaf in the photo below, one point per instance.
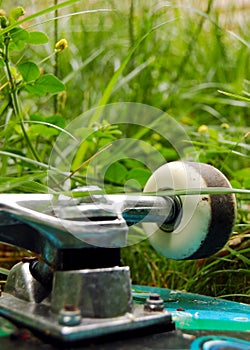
(19, 38)
(8, 184)
(34, 187)
(37, 38)
(242, 174)
(1, 62)
(235, 183)
(46, 126)
(42, 130)
(170, 153)
(52, 83)
(140, 175)
(132, 163)
(246, 183)
(116, 172)
(29, 71)
(47, 83)
(4, 271)
(53, 119)
(54, 126)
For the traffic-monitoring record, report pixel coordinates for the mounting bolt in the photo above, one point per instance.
(154, 303)
(69, 315)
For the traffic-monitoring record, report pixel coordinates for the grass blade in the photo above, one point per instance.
(110, 87)
(38, 14)
(234, 96)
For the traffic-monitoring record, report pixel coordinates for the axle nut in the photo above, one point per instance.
(154, 304)
(69, 315)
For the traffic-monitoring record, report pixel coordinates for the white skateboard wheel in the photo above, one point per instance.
(205, 222)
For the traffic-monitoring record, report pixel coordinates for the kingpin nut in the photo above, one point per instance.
(154, 304)
(69, 315)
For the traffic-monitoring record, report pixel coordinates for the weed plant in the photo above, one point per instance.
(62, 58)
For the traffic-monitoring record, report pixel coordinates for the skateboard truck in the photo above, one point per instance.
(76, 289)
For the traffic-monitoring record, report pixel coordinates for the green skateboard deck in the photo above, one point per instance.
(201, 322)
(199, 312)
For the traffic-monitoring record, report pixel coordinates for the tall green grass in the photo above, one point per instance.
(164, 54)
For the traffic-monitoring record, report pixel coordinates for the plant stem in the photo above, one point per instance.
(37, 14)
(131, 24)
(56, 56)
(14, 96)
(192, 43)
(11, 81)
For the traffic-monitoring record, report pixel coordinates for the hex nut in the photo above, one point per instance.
(69, 315)
(154, 304)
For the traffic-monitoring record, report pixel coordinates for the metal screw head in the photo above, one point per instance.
(154, 304)
(154, 296)
(69, 315)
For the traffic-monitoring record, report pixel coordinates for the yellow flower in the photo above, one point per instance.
(225, 126)
(203, 128)
(3, 19)
(15, 14)
(186, 120)
(61, 45)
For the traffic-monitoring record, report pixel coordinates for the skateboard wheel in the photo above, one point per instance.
(205, 221)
